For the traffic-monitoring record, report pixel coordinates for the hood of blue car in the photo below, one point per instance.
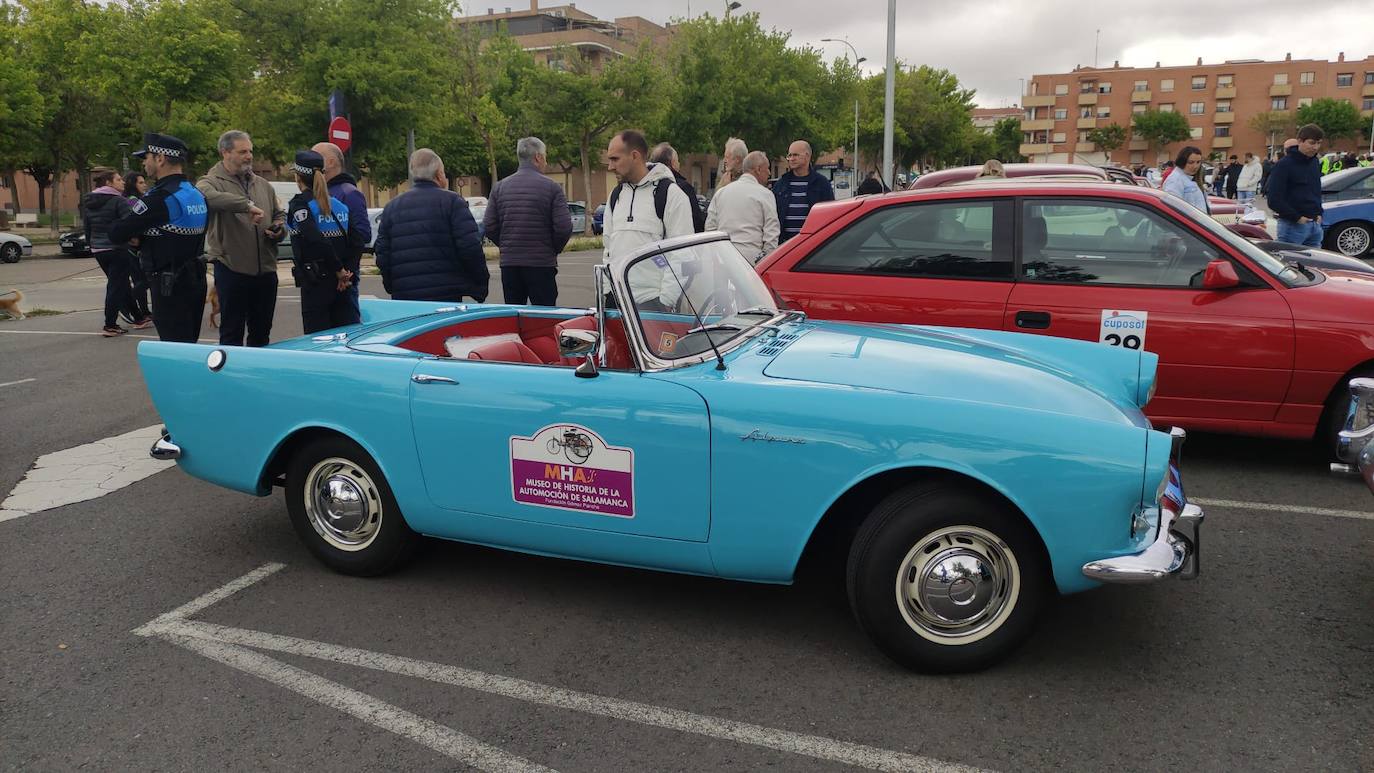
(1013, 369)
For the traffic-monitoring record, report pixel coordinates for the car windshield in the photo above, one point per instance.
(1285, 273)
(1337, 181)
(689, 298)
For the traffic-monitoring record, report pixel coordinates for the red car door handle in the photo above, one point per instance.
(1034, 320)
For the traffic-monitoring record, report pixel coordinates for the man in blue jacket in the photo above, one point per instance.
(1295, 190)
(427, 244)
(528, 219)
(798, 190)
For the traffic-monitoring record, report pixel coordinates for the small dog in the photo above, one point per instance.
(9, 303)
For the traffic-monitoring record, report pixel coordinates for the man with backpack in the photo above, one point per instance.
(646, 206)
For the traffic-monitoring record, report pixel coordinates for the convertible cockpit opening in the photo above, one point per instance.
(520, 337)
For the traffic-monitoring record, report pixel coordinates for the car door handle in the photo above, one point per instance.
(1033, 320)
(425, 378)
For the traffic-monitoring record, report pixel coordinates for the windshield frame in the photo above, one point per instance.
(630, 312)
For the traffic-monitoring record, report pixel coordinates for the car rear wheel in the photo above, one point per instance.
(10, 252)
(1355, 240)
(343, 509)
(944, 580)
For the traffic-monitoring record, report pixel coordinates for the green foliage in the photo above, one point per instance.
(21, 103)
(1108, 138)
(1276, 125)
(1337, 117)
(932, 116)
(1160, 128)
(1006, 136)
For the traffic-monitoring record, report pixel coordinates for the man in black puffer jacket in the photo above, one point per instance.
(527, 217)
(427, 244)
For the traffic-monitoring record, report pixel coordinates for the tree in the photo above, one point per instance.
(482, 79)
(932, 114)
(1337, 117)
(1108, 138)
(1006, 138)
(1160, 128)
(1273, 124)
(21, 105)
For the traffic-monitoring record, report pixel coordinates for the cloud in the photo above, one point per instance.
(990, 44)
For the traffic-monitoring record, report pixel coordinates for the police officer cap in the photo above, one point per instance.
(162, 145)
(308, 162)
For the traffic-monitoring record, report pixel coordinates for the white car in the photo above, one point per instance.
(13, 247)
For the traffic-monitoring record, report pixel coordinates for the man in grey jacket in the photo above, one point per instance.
(528, 219)
(243, 247)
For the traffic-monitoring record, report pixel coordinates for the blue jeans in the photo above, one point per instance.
(1247, 196)
(1308, 234)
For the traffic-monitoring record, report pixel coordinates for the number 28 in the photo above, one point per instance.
(1130, 342)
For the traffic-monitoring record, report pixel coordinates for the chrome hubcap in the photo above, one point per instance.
(958, 584)
(342, 504)
(1353, 242)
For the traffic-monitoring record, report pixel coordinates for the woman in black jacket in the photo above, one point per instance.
(135, 185)
(319, 244)
(99, 209)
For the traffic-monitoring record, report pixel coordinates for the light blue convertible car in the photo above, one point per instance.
(688, 424)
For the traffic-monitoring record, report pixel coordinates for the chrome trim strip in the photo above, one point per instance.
(164, 449)
(1174, 552)
(1355, 443)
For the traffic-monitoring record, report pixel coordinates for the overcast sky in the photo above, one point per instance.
(989, 44)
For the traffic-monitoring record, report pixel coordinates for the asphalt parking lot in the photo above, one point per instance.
(477, 658)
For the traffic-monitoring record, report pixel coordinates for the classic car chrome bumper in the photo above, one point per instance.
(1353, 446)
(1176, 549)
(164, 448)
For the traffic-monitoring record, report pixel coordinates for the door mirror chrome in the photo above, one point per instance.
(578, 343)
(1220, 275)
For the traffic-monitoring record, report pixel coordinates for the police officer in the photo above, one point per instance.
(170, 222)
(325, 262)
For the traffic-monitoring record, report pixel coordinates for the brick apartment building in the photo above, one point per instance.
(1218, 100)
(985, 118)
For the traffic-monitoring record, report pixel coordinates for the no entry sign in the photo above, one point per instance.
(341, 133)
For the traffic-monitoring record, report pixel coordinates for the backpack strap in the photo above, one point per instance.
(615, 196)
(661, 189)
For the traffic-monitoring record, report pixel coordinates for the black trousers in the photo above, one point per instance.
(323, 307)
(118, 267)
(178, 315)
(245, 301)
(535, 285)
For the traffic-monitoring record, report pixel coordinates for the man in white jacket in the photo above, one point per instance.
(747, 210)
(1250, 174)
(633, 218)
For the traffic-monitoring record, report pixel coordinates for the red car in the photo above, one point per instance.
(1247, 343)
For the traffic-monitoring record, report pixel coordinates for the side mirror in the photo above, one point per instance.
(580, 343)
(1220, 275)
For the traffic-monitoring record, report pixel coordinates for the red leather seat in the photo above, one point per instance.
(505, 351)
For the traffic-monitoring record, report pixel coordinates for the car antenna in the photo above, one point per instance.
(662, 261)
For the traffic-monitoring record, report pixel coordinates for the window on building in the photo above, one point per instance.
(1035, 137)
(1223, 106)
(1166, 107)
(1345, 80)
(1280, 79)
(1061, 89)
(1104, 88)
(1104, 111)
(1061, 113)
(1278, 103)
(965, 239)
(1221, 131)
(1030, 113)
(1142, 86)
(1197, 108)
(1059, 137)
(1087, 87)
(1139, 108)
(1307, 78)
(1082, 137)
(1226, 81)
(1367, 103)
(1369, 79)
(1137, 157)
(1166, 85)
(1199, 82)
(1085, 111)
(1195, 132)
(1304, 101)
(1102, 243)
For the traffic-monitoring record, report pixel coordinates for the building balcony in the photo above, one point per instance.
(1087, 123)
(1138, 145)
(1087, 99)
(1367, 113)
(1035, 149)
(1226, 92)
(1141, 96)
(1039, 124)
(1222, 142)
(1042, 100)
(1084, 147)
(1224, 118)
(1280, 89)
(1368, 90)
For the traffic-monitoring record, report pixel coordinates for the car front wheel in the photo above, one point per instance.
(343, 509)
(1355, 240)
(943, 579)
(10, 252)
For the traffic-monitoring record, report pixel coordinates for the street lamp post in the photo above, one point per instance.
(854, 173)
(731, 6)
(888, 97)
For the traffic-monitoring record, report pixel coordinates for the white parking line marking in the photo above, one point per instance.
(427, 732)
(84, 472)
(17, 383)
(1239, 505)
(175, 626)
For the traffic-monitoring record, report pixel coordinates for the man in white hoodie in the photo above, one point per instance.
(1250, 174)
(647, 206)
